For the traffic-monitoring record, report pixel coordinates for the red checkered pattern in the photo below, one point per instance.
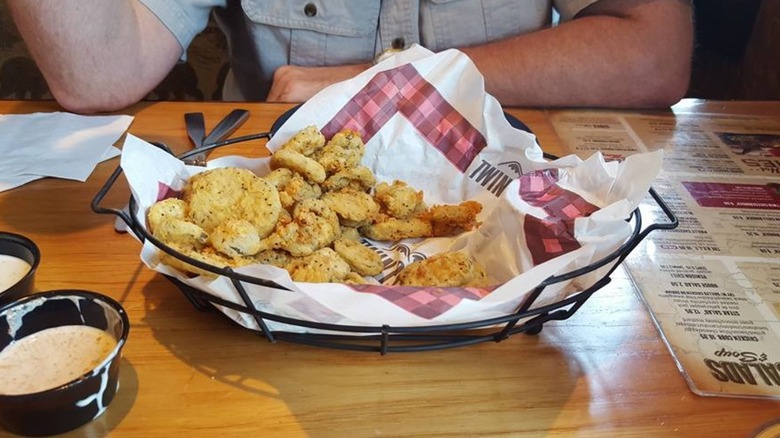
(425, 302)
(554, 235)
(404, 91)
(164, 191)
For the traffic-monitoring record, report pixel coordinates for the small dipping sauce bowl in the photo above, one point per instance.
(75, 339)
(19, 259)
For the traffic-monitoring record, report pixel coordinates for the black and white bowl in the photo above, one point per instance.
(80, 400)
(15, 247)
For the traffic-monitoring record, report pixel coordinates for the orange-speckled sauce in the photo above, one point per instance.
(52, 357)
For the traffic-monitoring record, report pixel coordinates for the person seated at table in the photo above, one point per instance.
(99, 55)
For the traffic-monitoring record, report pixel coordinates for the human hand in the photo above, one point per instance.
(297, 84)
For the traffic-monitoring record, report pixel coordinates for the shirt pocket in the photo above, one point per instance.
(319, 32)
(458, 23)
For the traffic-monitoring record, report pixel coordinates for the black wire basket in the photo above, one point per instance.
(528, 318)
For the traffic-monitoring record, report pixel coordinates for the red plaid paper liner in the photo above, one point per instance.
(404, 91)
(425, 302)
(164, 191)
(552, 236)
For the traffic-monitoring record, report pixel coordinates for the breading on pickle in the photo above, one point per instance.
(289, 159)
(356, 178)
(273, 257)
(399, 199)
(178, 232)
(449, 269)
(167, 208)
(354, 208)
(449, 220)
(361, 258)
(307, 141)
(354, 278)
(292, 186)
(322, 266)
(350, 233)
(231, 193)
(235, 238)
(206, 255)
(314, 225)
(344, 150)
(279, 177)
(388, 228)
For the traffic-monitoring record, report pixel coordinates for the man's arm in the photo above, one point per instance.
(616, 53)
(96, 55)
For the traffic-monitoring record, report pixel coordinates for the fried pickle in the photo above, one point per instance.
(357, 178)
(307, 141)
(450, 269)
(289, 159)
(392, 229)
(450, 220)
(361, 258)
(314, 225)
(354, 208)
(231, 193)
(167, 208)
(322, 266)
(235, 238)
(344, 150)
(180, 233)
(399, 199)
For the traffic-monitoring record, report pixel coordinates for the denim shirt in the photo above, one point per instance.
(264, 34)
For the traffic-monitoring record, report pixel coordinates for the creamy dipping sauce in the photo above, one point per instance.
(12, 269)
(52, 357)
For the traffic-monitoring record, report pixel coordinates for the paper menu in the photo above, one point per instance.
(712, 285)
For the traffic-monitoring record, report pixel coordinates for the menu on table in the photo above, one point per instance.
(712, 285)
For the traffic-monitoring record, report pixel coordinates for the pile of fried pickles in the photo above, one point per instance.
(308, 216)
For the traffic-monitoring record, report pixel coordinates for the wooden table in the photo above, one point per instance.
(603, 372)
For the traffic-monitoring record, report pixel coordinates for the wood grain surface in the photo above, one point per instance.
(604, 372)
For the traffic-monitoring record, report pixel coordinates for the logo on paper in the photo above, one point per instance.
(744, 367)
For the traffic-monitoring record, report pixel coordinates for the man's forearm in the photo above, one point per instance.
(597, 60)
(95, 54)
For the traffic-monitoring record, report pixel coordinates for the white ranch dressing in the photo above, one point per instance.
(12, 269)
(52, 357)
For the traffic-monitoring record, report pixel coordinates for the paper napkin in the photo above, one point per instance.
(57, 144)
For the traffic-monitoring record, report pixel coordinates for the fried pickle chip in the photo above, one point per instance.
(235, 238)
(231, 193)
(206, 255)
(307, 141)
(296, 161)
(180, 233)
(361, 258)
(393, 229)
(350, 233)
(399, 199)
(450, 269)
(344, 150)
(322, 266)
(449, 220)
(167, 208)
(273, 257)
(356, 178)
(314, 225)
(354, 208)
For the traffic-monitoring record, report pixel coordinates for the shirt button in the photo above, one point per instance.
(398, 43)
(310, 9)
